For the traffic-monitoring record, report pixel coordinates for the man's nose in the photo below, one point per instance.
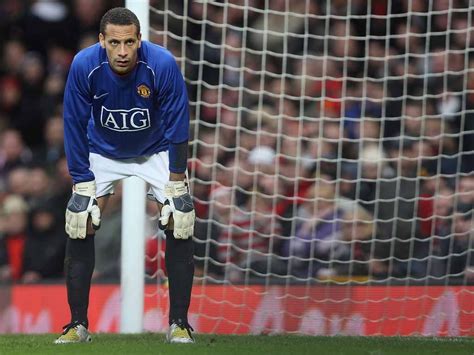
(122, 51)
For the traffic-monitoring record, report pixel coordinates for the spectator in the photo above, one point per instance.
(353, 252)
(10, 97)
(14, 234)
(13, 152)
(51, 101)
(268, 34)
(458, 249)
(13, 56)
(317, 232)
(246, 243)
(392, 201)
(17, 181)
(41, 191)
(431, 249)
(48, 23)
(87, 14)
(441, 147)
(208, 230)
(30, 118)
(53, 149)
(47, 235)
(465, 193)
(5, 269)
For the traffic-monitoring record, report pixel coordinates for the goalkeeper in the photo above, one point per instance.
(126, 114)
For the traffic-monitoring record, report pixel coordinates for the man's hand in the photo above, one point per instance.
(81, 205)
(180, 205)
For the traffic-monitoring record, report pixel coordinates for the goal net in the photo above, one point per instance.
(331, 164)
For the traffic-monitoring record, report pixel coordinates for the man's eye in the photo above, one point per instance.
(113, 43)
(130, 42)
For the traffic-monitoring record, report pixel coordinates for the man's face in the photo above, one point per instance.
(121, 44)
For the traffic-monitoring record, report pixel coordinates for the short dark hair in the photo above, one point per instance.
(119, 16)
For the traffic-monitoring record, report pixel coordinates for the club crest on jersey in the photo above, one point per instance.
(121, 120)
(144, 91)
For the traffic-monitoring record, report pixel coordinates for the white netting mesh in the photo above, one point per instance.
(332, 143)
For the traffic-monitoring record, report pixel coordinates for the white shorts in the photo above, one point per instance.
(153, 169)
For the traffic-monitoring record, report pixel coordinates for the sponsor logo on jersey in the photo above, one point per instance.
(120, 120)
(144, 91)
(96, 97)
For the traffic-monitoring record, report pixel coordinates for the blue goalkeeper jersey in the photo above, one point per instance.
(120, 117)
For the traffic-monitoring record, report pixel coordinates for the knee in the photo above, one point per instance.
(180, 250)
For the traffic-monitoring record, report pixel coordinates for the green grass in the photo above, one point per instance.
(105, 344)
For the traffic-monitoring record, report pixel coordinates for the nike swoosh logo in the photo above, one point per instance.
(98, 97)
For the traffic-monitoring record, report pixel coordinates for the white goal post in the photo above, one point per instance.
(133, 226)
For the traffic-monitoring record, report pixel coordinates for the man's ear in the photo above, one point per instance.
(102, 40)
(139, 40)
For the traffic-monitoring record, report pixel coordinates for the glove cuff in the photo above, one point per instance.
(85, 188)
(175, 189)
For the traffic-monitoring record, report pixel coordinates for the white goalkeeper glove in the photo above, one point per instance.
(81, 205)
(180, 205)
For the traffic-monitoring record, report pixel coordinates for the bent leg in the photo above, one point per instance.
(179, 260)
(78, 267)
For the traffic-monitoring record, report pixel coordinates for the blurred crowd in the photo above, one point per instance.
(326, 143)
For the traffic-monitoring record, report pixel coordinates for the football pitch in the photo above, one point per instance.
(223, 345)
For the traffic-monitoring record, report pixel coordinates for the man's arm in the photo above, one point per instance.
(77, 108)
(174, 105)
(77, 112)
